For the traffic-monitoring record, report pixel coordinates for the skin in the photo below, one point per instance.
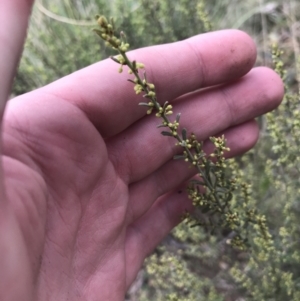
(88, 186)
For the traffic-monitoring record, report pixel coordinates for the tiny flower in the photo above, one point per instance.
(151, 94)
(149, 111)
(102, 21)
(140, 66)
(151, 86)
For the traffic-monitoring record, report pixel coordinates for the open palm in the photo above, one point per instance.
(90, 184)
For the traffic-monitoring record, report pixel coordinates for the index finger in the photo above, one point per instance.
(14, 15)
(176, 69)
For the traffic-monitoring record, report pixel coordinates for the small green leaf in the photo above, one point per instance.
(179, 157)
(196, 225)
(98, 32)
(207, 168)
(167, 134)
(145, 104)
(184, 134)
(134, 65)
(229, 197)
(114, 59)
(145, 76)
(222, 190)
(197, 182)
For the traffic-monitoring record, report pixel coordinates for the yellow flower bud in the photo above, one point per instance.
(102, 21)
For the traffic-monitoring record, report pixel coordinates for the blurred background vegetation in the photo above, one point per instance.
(192, 264)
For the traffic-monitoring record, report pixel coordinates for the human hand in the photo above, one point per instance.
(90, 184)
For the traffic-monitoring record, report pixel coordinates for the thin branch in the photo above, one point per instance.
(61, 19)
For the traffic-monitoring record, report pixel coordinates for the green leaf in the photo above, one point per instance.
(98, 32)
(167, 134)
(179, 157)
(134, 65)
(197, 182)
(145, 76)
(165, 104)
(114, 59)
(145, 104)
(184, 134)
(229, 197)
(196, 225)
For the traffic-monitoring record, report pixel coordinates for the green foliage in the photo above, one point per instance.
(214, 192)
(56, 47)
(196, 263)
(275, 273)
(225, 203)
(171, 279)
